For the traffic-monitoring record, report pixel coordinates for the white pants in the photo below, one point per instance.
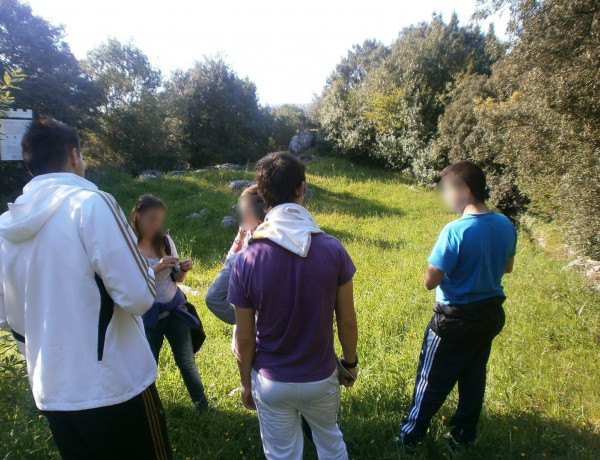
(279, 407)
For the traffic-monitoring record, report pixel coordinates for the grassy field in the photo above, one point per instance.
(543, 394)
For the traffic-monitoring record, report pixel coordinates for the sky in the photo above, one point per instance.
(288, 48)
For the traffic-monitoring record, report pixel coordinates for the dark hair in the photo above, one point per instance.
(278, 176)
(254, 200)
(143, 204)
(472, 175)
(47, 144)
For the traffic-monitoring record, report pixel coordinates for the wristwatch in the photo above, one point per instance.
(348, 365)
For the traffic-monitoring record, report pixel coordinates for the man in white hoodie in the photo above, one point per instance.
(72, 288)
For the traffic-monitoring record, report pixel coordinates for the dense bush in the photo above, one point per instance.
(217, 113)
(441, 93)
(385, 102)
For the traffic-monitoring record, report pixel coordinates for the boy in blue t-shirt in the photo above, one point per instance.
(466, 267)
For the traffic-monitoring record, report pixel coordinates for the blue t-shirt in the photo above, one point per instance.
(473, 252)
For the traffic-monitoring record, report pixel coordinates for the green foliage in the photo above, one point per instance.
(131, 130)
(10, 82)
(12, 173)
(56, 85)
(542, 118)
(384, 103)
(542, 399)
(286, 120)
(218, 114)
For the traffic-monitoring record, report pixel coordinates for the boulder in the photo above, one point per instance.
(150, 174)
(301, 142)
(229, 222)
(228, 166)
(177, 173)
(196, 215)
(240, 184)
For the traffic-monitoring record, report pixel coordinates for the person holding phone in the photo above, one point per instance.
(160, 321)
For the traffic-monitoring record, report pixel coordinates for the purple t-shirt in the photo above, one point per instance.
(294, 299)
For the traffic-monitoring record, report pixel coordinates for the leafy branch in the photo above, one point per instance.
(12, 77)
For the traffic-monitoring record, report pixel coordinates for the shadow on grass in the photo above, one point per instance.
(348, 237)
(337, 167)
(229, 434)
(326, 201)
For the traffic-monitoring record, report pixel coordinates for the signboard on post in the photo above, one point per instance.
(12, 128)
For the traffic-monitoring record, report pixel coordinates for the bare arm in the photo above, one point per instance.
(245, 346)
(433, 277)
(347, 326)
(510, 264)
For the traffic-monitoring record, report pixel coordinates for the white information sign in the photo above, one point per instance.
(12, 129)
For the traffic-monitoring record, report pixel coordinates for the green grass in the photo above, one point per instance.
(543, 394)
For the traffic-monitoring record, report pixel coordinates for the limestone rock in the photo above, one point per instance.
(301, 142)
(229, 222)
(240, 184)
(197, 215)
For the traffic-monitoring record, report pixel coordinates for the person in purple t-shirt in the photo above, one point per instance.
(286, 287)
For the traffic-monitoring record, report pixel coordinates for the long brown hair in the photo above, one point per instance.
(143, 204)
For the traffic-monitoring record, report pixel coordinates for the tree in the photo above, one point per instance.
(384, 103)
(123, 72)
(56, 85)
(130, 128)
(10, 82)
(218, 114)
(546, 115)
(285, 121)
(12, 173)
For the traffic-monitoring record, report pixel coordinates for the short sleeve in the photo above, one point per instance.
(513, 252)
(444, 255)
(237, 293)
(348, 269)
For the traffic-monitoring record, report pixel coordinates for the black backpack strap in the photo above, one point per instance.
(168, 252)
(167, 244)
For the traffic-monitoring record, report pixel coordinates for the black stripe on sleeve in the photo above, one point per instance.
(107, 308)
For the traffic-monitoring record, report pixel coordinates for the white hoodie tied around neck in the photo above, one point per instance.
(290, 226)
(54, 240)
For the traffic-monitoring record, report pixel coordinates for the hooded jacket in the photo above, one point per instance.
(72, 288)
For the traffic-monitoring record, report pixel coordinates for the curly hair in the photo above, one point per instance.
(279, 175)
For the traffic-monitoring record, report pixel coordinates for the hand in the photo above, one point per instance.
(247, 399)
(186, 265)
(347, 382)
(166, 263)
(241, 236)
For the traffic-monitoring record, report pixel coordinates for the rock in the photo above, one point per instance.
(308, 193)
(177, 173)
(229, 222)
(240, 184)
(301, 142)
(150, 174)
(188, 290)
(228, 166)
(196, 215)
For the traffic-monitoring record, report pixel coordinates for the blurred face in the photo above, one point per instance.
(456, 194)
(150, 222)
(249, 221)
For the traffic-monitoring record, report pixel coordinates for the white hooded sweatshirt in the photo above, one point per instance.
(289, 225)
(72, 288)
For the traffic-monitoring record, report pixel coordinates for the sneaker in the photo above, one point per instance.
(457, 445)
(201, 406)
(405, 444)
